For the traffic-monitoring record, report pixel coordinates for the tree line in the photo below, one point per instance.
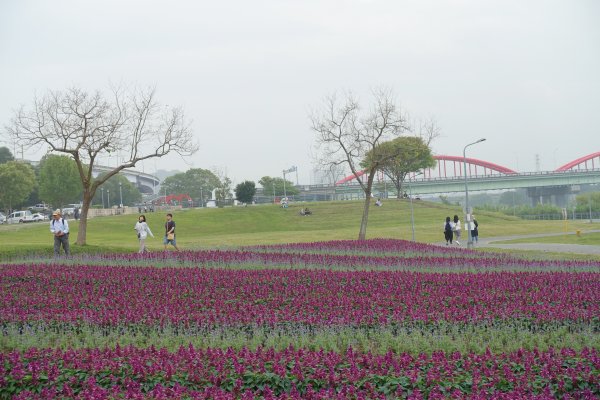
(55, 181)
(84, 126)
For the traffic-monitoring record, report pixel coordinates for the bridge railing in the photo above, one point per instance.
(558, 216)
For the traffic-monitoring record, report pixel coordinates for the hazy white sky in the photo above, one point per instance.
(523, 74)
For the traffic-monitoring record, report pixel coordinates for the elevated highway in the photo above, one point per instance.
(146, 183)
(493, 182)
(449, 177)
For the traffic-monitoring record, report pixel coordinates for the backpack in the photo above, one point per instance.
(448, 227)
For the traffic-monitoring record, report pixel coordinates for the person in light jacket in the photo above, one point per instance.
(143, 230)
(60, 229)
(456, 229)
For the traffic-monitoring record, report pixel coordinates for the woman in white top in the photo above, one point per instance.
(456, 229)
(143, 230)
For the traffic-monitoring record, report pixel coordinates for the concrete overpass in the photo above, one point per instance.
(146, 183)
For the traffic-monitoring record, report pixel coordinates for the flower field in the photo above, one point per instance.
(345, 319)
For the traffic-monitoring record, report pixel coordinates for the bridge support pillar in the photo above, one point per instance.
(557, 195)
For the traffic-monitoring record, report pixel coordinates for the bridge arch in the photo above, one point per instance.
(582, 163)
(449, 167)
(453, 167)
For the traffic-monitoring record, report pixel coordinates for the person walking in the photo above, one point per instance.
(456, 229)
(143, 230)
(474, 230)
(448, 235)
(170, 232)
(60, 229)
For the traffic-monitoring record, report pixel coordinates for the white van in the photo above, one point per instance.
(20, 217)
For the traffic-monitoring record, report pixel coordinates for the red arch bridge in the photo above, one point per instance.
(448, 176)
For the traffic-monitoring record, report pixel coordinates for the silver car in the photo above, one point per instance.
(39, 217)
(2, 218)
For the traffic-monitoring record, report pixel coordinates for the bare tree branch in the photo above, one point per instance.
(89, 125)
(344, 136)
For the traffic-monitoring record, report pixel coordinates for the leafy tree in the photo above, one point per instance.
(131, 194)
(195, 182)
(345, 136)
(584, 201)
(59, 182)
(17, 181)
(512, 198)
(88, 126)
(5, 155)
(401, 156)
(175, 184)
(245, 191)
(273, 186)
(223, 190)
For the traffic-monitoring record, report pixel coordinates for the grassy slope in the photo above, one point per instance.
(270, 224)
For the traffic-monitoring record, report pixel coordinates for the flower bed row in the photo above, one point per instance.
(349, 254)
(296, 374)
(218, 297)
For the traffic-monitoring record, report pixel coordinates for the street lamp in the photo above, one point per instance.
(412, 214)
(467, 213)
(120, 196)
(108, 194)
(590, 206)
(287, 171)
(102, 189)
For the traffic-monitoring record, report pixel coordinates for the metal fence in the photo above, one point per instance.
(559, 216)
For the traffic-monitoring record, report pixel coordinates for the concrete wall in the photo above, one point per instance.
(105, 212)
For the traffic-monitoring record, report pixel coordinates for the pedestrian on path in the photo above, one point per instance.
(143, 230)
(60, 229)
(474, 230)
(448, 231)
(457, 229)
(170, 232)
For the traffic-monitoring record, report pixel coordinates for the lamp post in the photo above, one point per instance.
(120, 196)
(412, 214)
(102, 190)
(467, 213)
(108, 201)
(293, 168)
(590, 206)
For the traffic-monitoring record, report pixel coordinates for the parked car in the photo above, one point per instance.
(20, 217)
(68, 212)
(39, 217)
(39, 208)
(2, 218)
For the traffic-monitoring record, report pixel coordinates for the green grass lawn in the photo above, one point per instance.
(586, 238)
(264, 224)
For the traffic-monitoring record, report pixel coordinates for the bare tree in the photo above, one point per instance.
(345, 137)
(428, 130)
(87, 126)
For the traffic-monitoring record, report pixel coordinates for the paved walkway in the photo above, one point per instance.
(549, 247)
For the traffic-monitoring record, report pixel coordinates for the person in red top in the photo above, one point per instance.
(170, 232)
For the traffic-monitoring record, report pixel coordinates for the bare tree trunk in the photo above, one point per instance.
(362, 234)
(81, 234)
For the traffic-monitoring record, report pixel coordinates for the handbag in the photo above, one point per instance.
(170, 236)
